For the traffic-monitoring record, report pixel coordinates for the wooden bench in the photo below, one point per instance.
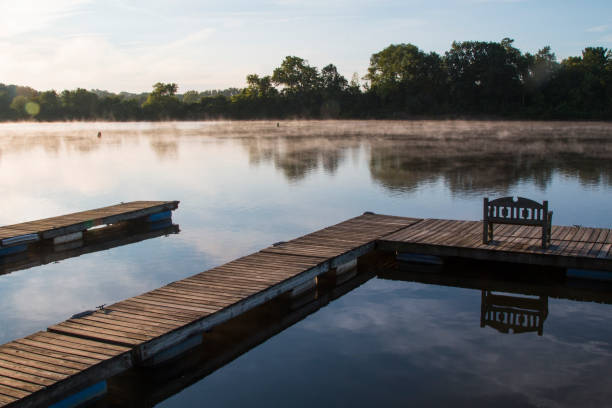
(521, 211)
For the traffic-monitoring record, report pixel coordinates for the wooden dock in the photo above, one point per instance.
(571, 247)
(75, 357)
(68, 227)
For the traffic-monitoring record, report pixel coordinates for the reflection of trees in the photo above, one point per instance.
(165, 149)
(468, 156)
(82, 144)
(474, 166)
(298, 156)
(331, 160)
(50, 144)
(297, 164)
(487, 157)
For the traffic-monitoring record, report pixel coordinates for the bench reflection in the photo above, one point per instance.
(513, 300)
(513, 314)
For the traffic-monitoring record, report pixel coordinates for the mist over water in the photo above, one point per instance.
(246, 185)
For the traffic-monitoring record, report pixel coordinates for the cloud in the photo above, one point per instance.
(598, 29)
(20, 17)
(93, 61)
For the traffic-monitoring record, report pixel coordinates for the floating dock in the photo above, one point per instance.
(71, 361)
(70, 227)
(574, 247)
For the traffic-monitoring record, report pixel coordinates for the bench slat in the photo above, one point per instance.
(522, 211)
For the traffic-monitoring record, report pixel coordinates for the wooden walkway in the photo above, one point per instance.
(137, 329)
(44, 367)
(48, 228)
(571, 247)
(81, 352)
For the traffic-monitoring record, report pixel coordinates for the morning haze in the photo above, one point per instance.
(323, 203)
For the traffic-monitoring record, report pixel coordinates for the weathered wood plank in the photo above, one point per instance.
(13, 393)
(55, 226)
(127, 331)
(62, 349)
(80, 344)
(36, 358)
(38, 365)
(94, 334)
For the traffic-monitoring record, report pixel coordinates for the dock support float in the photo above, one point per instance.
(84, 396)
(62, 239)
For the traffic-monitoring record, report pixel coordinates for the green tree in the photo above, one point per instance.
(296, 76)
(395, 64)
(18, 106)
(407, 79)
(162, 103)
(544, 65)
(486, 76)
(6, 113)
(191, 97)
(50, 106)
(331, 81)
(79, 104)
(583, 86)
(259, 87)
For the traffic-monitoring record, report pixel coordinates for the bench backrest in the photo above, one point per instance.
(522, 210)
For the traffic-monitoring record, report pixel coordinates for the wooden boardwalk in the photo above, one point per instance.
(571, 247)
(137, 331)
(148, 324)
(44, 367)
(49, 228)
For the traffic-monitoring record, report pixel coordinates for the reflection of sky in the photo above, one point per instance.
(391, 343)
(388, 341)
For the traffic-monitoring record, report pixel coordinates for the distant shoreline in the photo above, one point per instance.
(473, 80)
(290, 120)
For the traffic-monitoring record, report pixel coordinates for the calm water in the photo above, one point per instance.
(243, 186)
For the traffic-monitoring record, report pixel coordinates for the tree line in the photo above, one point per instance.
(471, 79)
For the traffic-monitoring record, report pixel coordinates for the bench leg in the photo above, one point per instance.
(549, 228)
(485, 232)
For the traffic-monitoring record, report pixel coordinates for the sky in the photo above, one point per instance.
(120, 45)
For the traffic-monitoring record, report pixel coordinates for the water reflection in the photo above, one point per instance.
(149, 386)
(94, 240)
(449, 362)
(513, 314)
(166, 150)
(246, 185)
(298, 156)
(470, 157)
(512, 301)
